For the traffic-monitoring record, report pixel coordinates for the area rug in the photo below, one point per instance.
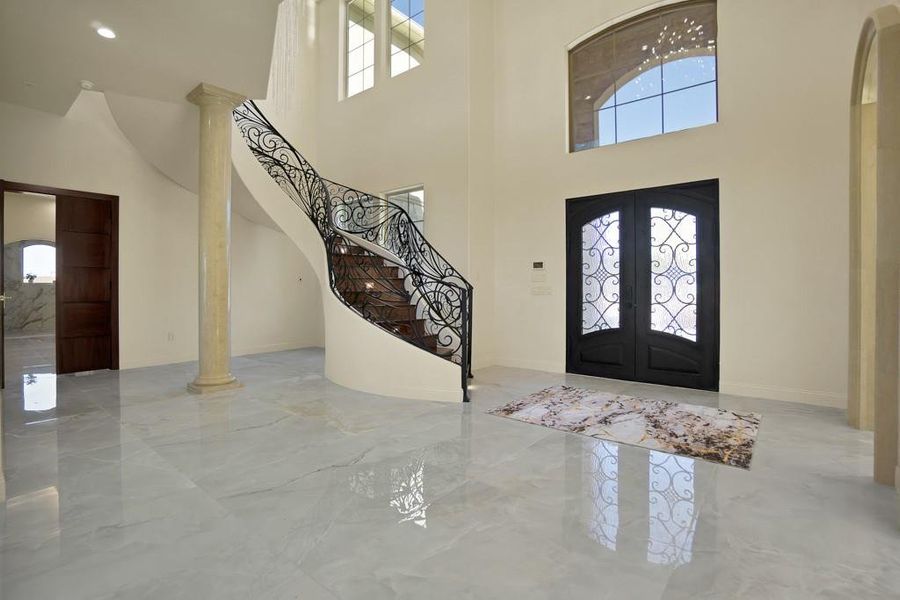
(712, 434)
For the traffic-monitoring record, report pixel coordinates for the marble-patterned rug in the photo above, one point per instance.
(713, 434)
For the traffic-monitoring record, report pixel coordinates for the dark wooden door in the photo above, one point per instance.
(86, 332)
(642, 297)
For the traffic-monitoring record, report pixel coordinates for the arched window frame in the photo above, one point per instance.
(703, 45)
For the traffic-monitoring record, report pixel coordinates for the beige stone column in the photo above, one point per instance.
(216, 106)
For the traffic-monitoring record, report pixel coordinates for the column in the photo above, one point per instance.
(215, 105)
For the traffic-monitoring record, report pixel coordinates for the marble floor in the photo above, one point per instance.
(294, 487)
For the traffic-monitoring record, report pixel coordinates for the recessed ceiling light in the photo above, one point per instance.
(106, 32)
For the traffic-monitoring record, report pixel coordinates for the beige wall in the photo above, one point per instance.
(158, 239)
(780, 152)
(28, 217)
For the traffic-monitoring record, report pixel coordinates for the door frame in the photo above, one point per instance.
(573, 286)
(13, 186)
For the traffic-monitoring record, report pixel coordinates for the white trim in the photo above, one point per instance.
(785, 394)
(403, 190)
(342, 49)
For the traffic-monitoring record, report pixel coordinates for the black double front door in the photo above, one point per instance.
(642, 298)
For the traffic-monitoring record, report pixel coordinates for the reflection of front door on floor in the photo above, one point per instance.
(643, 285)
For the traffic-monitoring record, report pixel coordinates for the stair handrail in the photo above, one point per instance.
(336, 210)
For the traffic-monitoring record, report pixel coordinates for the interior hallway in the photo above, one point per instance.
(295, 487)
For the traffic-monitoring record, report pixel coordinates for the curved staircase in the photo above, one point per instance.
(380, 265)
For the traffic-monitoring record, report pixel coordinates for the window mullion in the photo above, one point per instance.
(382, 40)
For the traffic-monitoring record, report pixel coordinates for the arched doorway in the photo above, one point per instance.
(875, 239)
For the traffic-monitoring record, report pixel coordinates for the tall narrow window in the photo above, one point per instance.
(600, 273)
(673, 272)
(360, 46)
(407, 35)
(413, 202)
(650, 75)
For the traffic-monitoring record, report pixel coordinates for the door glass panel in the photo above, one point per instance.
(673, 272)
(600, 273)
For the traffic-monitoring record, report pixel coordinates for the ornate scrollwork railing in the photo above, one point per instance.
(413, 292)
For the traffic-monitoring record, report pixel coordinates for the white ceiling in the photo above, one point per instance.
(164, 48)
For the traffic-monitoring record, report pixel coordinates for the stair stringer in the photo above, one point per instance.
(358, 354)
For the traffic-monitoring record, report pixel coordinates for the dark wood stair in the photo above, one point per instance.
(377, 291)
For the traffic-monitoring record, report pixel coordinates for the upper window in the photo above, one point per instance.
(39, 263)
(413, 202)
(650, 75)
(360, 46)
(407, 35)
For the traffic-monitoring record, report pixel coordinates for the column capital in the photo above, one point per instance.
(206, 94)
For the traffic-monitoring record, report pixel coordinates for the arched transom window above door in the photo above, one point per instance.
(653, 74)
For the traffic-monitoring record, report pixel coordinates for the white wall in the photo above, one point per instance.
(158, 239)
(28, 217)
(780, 152)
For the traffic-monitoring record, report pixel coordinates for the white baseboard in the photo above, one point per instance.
(159, 361)
(814, 397)
(548, 366)
(279, 347)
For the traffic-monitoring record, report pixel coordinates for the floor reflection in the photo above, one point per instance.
(673, 518)
(39, 392)
(403, 487)
(665, 501)
(601, 465)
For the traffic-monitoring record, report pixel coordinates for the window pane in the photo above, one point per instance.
(401, 5)
(355, 84)
(673, 272)
(399, 62)
(417, 206)
(413, 202)
(639, 119)
(643, 84)
(606, 124)
(355, 61)
(417, 7)
(360, 49)
(600, 274)
(407, 35)
(685, 72)
(692, 107)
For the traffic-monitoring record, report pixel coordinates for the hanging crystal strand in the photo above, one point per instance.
(286, 48)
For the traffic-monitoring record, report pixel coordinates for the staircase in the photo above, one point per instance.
(380, 265)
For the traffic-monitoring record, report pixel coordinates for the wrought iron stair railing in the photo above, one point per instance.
(379, 263)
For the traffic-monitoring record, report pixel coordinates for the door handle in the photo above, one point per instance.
(4, 298)
(628, 297)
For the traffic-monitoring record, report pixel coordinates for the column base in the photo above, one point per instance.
(211, 385)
